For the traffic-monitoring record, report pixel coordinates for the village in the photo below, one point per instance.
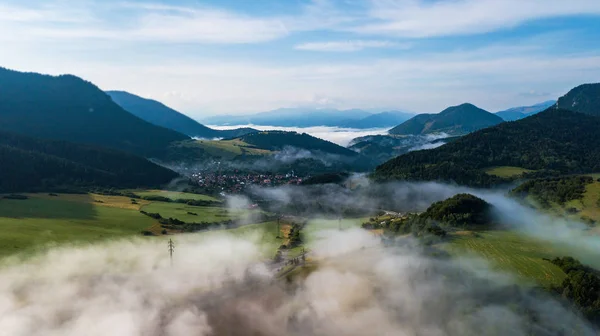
(237, 182)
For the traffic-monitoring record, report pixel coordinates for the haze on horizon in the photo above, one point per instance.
(234, 57)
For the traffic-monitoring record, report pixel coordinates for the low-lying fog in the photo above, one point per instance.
(218, 284)
(340, 136)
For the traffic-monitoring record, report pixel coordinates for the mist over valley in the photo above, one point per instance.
(300, 168)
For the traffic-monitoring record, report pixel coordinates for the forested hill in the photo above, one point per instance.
(555, 140)
(161, 115)
(278, 140)
(69, 108)
(29, 164)
(584, 98)
(455, 120)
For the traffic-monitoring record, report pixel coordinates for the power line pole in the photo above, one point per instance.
(278, 225)
(171, 250)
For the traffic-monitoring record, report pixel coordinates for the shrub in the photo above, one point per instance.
(16, 197)
(157, 198)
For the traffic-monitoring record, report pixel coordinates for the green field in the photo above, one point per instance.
(510, 252)
(174, 195)
(589, 205)
(37, 222)
(507, 171)
(311, 231)
(204, 214)
(229, 149)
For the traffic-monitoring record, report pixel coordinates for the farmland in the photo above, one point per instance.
(510, 252)
(195, 214)
(174, 195)
(31, 224)
(49, 219)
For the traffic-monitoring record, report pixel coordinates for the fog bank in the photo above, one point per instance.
(216, 287)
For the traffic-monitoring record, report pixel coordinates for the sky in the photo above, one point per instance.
(209, 57)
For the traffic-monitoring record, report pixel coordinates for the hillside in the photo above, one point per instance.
(71, 109)
(381, 148)
(292, 117)
(30, 164)
(279, 140)
(455, 120)
(378, 120)
(584, 99)
(159, 114)
(517, 113)
(554, 141)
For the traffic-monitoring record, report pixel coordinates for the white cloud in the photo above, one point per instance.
(146, 22)
(421, 18)
(349, 46)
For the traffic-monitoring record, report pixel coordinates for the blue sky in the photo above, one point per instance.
(242, 56)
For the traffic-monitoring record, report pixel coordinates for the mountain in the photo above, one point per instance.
(292, 117)
(280, 140)
(71, 109)
(455, 120)
(30, 164)
(378, 120)
(159, 114)
(584, 98)
(555, 141)
(521, 112)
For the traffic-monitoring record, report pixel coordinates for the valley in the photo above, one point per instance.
(510, 208)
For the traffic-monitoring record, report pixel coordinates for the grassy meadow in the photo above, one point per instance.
(27, 225)
(174, 195)
(507, 171)
(229, 149)
(45, 220)
(510, 252)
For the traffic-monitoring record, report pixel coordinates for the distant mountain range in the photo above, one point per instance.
(71, 109)
(517, 113)
(378, 120)
(311, 117)
(159, 114)
(555, 141)
(455, 120)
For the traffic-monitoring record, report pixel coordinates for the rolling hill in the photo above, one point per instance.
(30, 164)
(292, 117)
(555, 141)
(279, 140)
(517, 113)
(584, 99)
(159, 114)
(455, 120)
(71, 109)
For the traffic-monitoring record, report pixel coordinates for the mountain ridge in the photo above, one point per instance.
(69, 108)
(159, 114)
(584, 98)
